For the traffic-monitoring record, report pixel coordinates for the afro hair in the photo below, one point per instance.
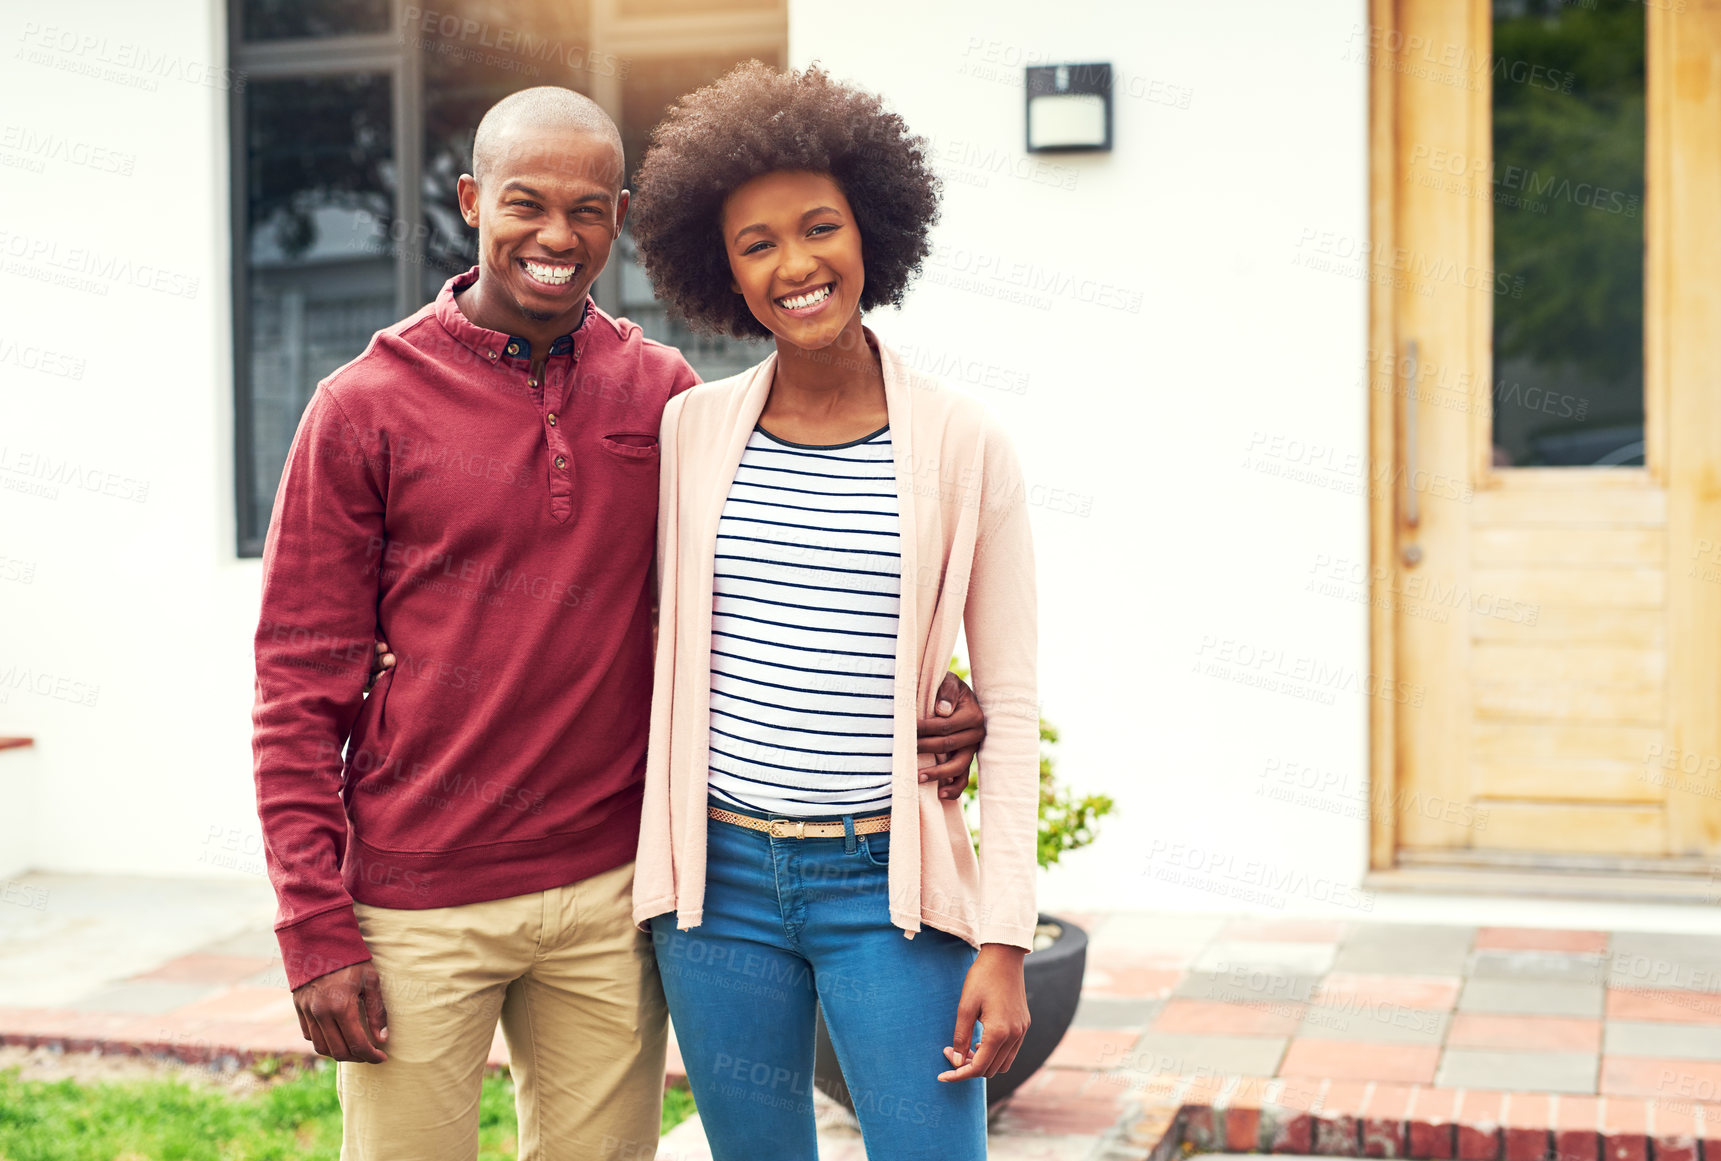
(756, 120)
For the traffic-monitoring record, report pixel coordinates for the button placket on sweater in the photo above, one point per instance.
(559, 377)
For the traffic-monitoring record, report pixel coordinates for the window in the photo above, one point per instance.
(1568, 86)
(353, 126)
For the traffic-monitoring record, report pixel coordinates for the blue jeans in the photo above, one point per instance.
(790, 923)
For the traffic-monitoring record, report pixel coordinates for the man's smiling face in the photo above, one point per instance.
(548, 205)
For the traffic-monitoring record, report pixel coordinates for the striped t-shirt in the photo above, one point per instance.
(803, 628)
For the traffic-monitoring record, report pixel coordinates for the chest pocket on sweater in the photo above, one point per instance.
(630, 445)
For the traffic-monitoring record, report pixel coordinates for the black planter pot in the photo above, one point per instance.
(1054, 978)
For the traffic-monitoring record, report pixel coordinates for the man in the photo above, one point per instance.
(479, 488)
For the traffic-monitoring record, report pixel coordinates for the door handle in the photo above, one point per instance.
(1411, 553)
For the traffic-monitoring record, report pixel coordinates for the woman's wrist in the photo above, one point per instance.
(1003, 950)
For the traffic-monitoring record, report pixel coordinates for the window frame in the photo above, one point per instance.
(377, 52)
(750, 28)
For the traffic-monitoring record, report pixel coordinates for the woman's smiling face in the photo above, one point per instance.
(795, 255)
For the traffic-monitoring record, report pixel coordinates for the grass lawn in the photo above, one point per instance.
(168, 1120)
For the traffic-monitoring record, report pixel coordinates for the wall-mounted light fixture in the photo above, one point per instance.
(1069, 107)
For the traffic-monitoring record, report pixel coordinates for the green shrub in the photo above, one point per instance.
(1067, 820)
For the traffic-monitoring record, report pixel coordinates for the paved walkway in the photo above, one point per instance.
(1293, 1035)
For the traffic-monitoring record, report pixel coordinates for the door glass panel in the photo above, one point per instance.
(284, 19)
(496, 48)
(320, 187)
(1567, 193)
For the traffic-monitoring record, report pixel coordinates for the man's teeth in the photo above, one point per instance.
(557, 275)
(811, 298)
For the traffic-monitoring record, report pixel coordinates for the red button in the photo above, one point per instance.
(561, 462)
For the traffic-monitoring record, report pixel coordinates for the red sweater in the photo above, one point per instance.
(499, 535)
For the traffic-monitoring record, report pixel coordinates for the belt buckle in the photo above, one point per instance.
(780, 828)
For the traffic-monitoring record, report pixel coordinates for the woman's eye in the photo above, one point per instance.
(754, 247)
(823, 228)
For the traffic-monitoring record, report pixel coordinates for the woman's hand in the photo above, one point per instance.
(381, 660)
(994, 994)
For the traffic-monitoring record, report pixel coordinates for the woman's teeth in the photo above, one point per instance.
(810, 298)
(554, 275)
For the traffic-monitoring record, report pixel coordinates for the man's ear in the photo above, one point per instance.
(466, 192)
(621, 204)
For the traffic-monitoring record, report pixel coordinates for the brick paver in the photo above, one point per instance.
(1667, 1005)
(1668, 1078)
(1360, 1060)
(1214, 1018)
(1478, 1068)
(1349, 989)
(1647, 1038)
(1525, 1033)
(1531, 997)
(1540, 939)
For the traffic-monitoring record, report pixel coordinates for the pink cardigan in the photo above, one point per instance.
(967, 559)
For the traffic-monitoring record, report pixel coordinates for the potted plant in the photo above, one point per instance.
(1053, 969)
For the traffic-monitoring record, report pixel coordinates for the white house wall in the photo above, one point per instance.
(124, 652)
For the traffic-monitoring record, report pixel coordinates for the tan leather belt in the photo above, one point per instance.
(799, 828)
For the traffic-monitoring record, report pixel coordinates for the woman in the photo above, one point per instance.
(827, 521)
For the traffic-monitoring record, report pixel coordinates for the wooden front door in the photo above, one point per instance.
(1545, 368)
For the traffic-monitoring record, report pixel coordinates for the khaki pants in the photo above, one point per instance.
(576, 988)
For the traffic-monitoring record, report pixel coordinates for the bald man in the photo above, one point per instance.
(479, 488)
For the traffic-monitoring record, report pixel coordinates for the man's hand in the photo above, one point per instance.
(342, 1014)
(996, 994)
(954, 734)
(381, 660)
